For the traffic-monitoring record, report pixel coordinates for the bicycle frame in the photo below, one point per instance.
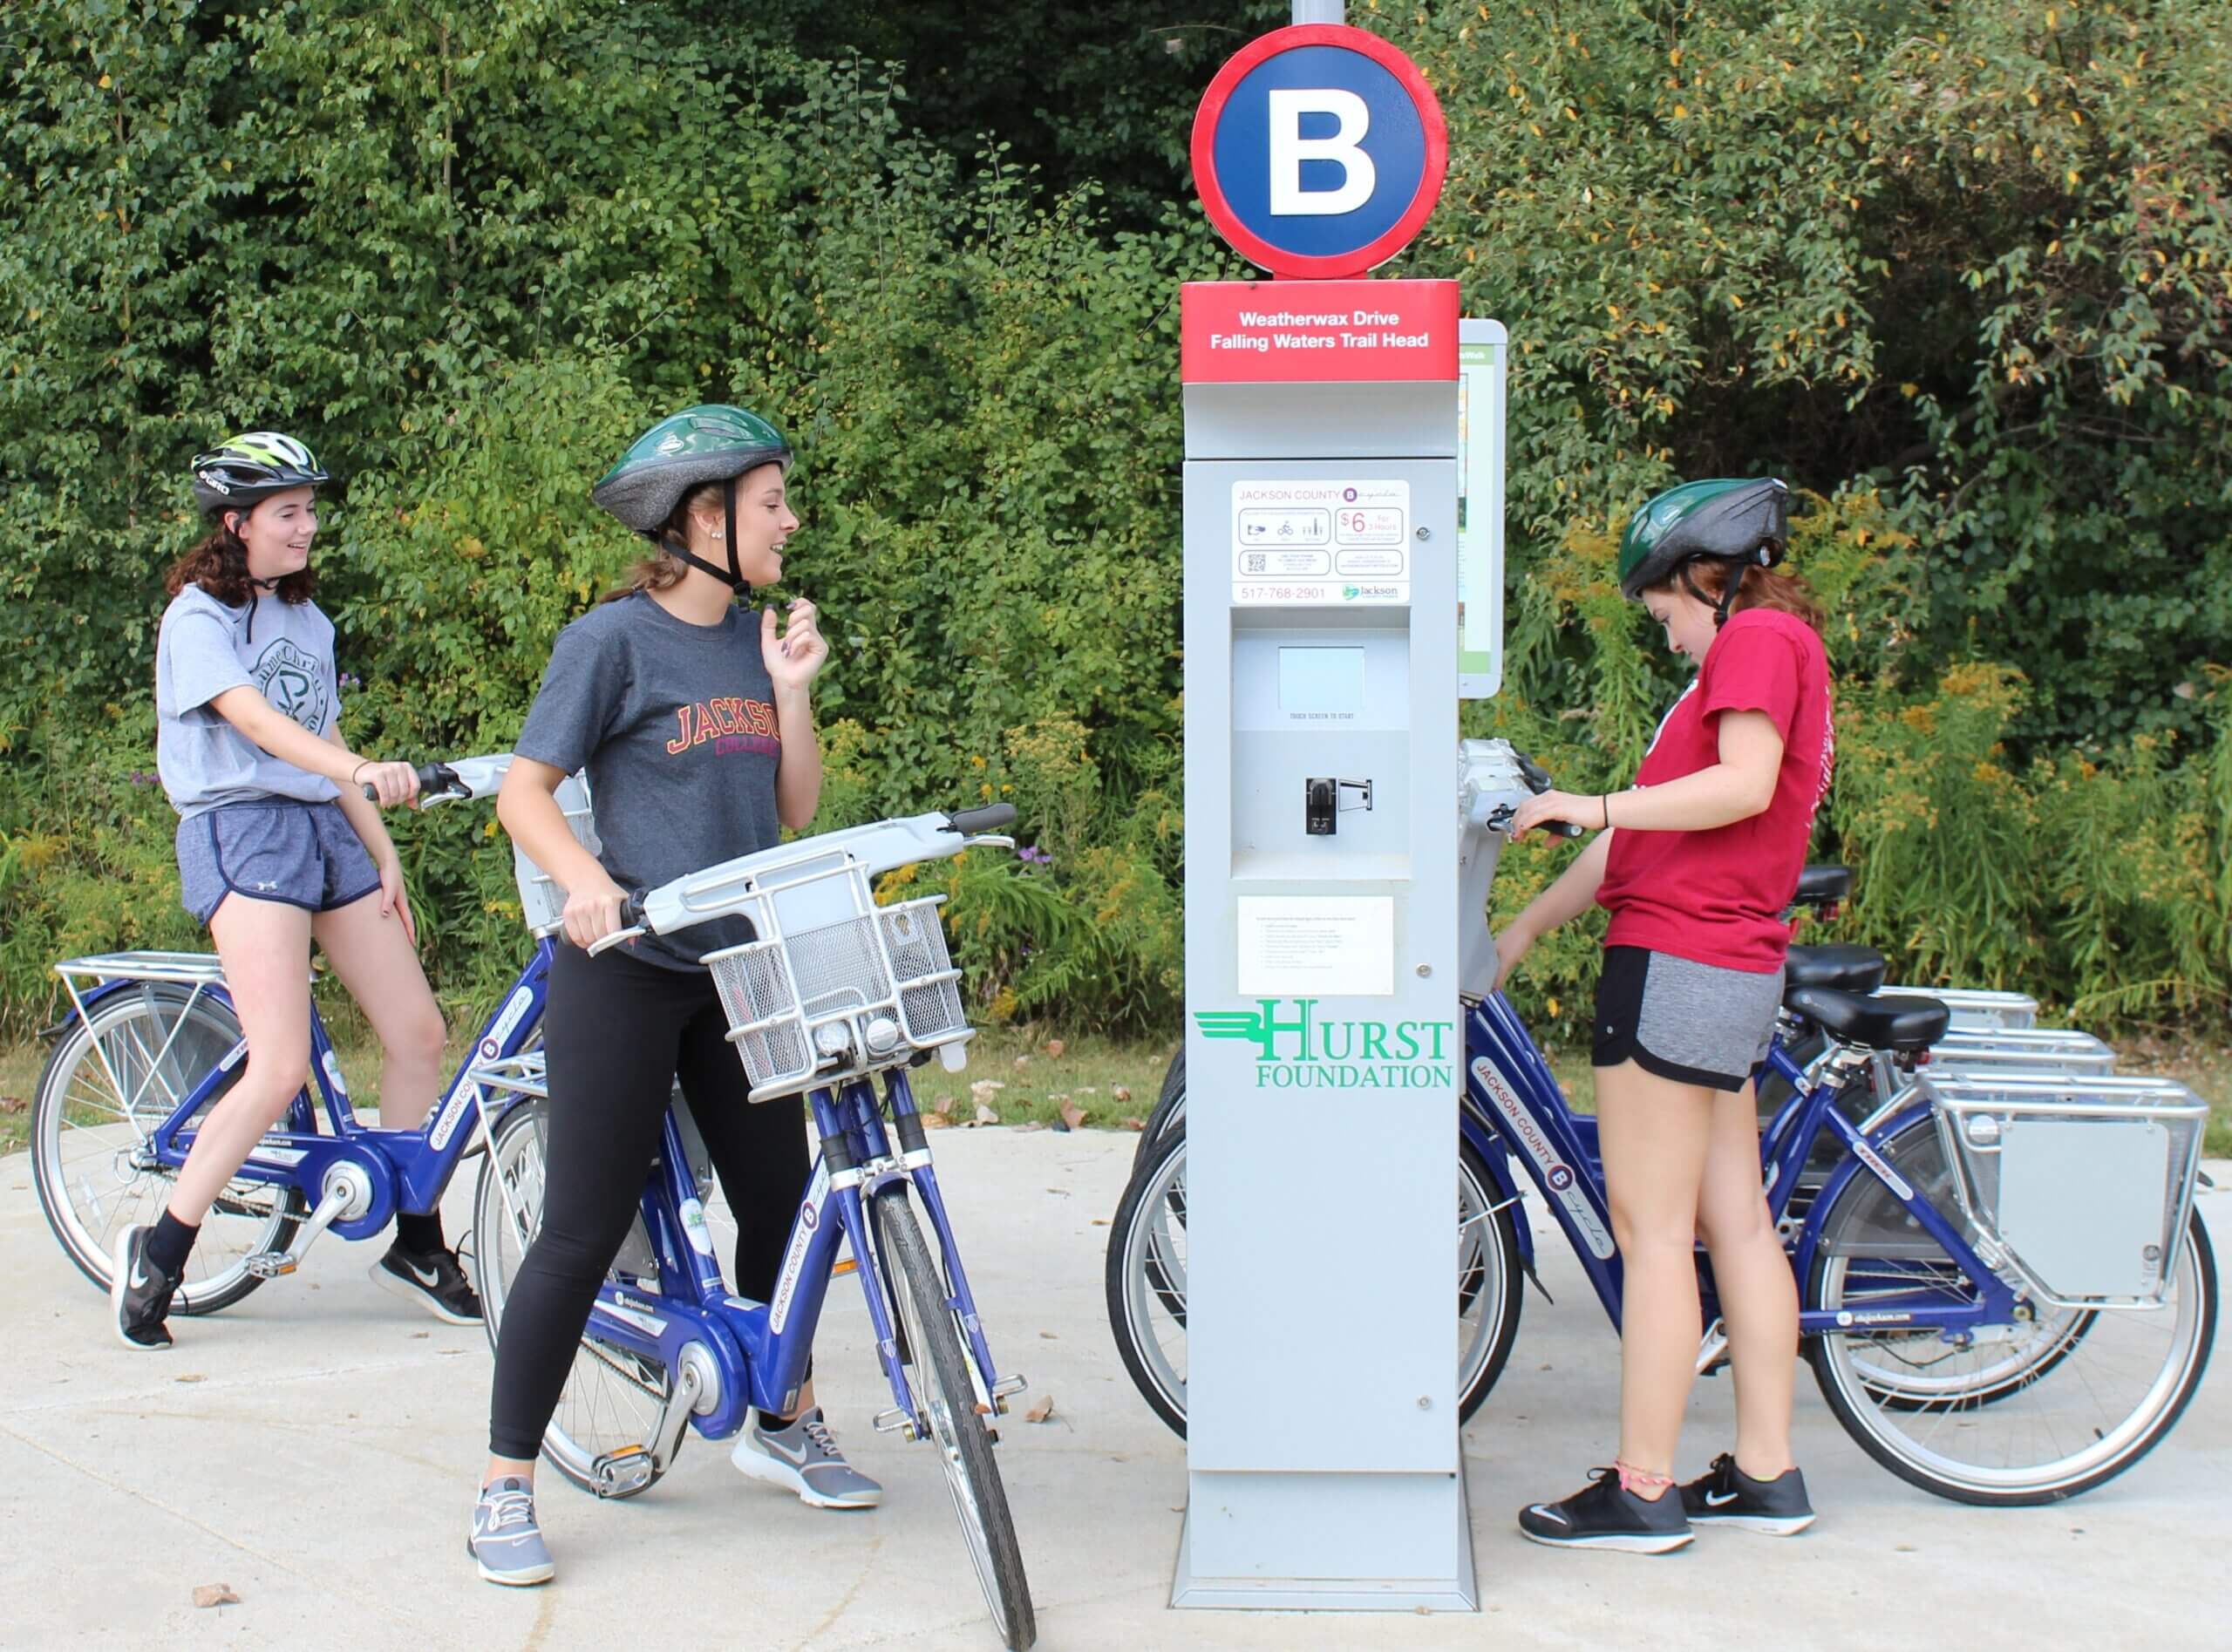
(404, 1170)
(745, 1354)
(1509, 1085)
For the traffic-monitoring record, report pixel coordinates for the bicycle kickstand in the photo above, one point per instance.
(347, 1195)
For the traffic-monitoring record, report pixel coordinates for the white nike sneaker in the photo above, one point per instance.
(803, 1457)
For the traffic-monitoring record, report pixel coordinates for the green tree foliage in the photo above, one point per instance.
(1959, 272)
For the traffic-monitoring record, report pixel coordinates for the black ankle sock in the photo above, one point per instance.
(171, 1243)
(421, 1235)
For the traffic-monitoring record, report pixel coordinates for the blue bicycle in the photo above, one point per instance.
(833, 999)
(2005, 1292)
(150, 1043)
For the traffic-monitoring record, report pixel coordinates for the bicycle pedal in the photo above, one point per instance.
(270, 1264)
(619, 1472)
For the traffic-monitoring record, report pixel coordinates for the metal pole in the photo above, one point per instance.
(1320, 12)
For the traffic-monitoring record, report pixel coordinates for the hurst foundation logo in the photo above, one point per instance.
(1296, 1049)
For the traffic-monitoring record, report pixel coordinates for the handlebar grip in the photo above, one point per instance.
(631, 913)
(434, 778)
(990, 817)
(1564, 829)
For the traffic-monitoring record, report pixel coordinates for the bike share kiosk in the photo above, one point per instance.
(1323, 1055)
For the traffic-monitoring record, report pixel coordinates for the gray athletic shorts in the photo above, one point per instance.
(1691, 1022)
(305, 854)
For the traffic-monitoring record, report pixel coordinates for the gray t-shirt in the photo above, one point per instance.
(676, 724)
(284, 650)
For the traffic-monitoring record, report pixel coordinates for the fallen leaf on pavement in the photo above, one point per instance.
(1135, 1124)
(190, 1377)
(1041, 1411)
(936, 1121)
(216, 1595)
(1032, 1124)
(1049, 1337)
(1072, 1115)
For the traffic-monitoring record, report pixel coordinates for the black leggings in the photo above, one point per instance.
(619, 1032)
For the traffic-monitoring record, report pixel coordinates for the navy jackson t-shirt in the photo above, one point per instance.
(676, 724)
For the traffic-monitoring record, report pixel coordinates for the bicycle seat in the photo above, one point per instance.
(1847, 969)
(1904, 1026)
(1823, 886)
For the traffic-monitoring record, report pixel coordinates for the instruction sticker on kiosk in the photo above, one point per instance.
(1332, 544)
(1316, 946)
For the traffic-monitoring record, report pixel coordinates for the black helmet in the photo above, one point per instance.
(252, 466)
(1728, 519)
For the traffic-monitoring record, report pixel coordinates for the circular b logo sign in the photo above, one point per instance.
(1319, 151)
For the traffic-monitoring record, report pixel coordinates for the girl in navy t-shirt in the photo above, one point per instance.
(1697, 864)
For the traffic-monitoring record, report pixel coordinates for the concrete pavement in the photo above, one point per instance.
(316, 1448)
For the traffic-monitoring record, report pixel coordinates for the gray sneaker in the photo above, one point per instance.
(506, 1542)
(803, 1457)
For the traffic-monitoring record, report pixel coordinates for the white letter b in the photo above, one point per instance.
(1344, 149)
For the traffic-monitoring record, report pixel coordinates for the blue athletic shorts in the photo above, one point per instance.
(305, 854)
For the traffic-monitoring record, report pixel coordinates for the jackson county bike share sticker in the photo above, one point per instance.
(1557, 1176)
(1316, 946)
(802, 1232)
(463, 1092)
(1336, 544)
(333, 1074)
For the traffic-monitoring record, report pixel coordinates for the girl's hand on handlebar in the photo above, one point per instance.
(795, 658)
(1546, 807)
(389, 782)
(1511, 946)
(592, 912)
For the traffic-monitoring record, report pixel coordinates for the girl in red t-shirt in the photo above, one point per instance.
(1697, 864)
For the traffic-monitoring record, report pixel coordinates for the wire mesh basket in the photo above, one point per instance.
(2084, 1183)
(543, 901)
(827, 997)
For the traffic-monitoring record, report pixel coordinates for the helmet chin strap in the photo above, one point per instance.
(1723, 605)
(731, 576)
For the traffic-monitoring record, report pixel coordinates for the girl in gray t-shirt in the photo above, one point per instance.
(691, 716)
(278, 846)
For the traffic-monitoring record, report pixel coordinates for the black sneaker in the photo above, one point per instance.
(1727, 1496)
(1605, 1517)
(140, 1292)
(434, 1281)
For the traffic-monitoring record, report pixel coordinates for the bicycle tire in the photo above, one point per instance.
(1904, 1432)
(1144, 1276)
(946, 1400)
(611, 1398)
(1170, 1109)
(77, 1087)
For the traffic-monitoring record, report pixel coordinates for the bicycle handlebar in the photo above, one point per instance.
(1538, 781)
(990, 817)
(435, 780)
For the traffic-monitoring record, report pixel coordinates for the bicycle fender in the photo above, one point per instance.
(108, 990)
(1853, 1165)
(1505, 1174)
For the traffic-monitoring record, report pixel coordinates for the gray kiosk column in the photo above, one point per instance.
(1322, 1054)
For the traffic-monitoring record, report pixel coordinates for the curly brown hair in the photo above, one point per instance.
(1761, 588)
(219, 565)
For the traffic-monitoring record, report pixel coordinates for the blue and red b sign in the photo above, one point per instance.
(1319, 151)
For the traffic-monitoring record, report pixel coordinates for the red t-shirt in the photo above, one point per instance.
(1718, 897)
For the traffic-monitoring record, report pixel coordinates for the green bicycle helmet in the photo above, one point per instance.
(251, 466)
(710, 443)
(1727, 519)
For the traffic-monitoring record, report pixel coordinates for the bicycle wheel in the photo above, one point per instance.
(937, 1378)
(1169, 1113)
(612, 1398)
(2031, 1413)
(1146, 1282)
(111, 1079)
